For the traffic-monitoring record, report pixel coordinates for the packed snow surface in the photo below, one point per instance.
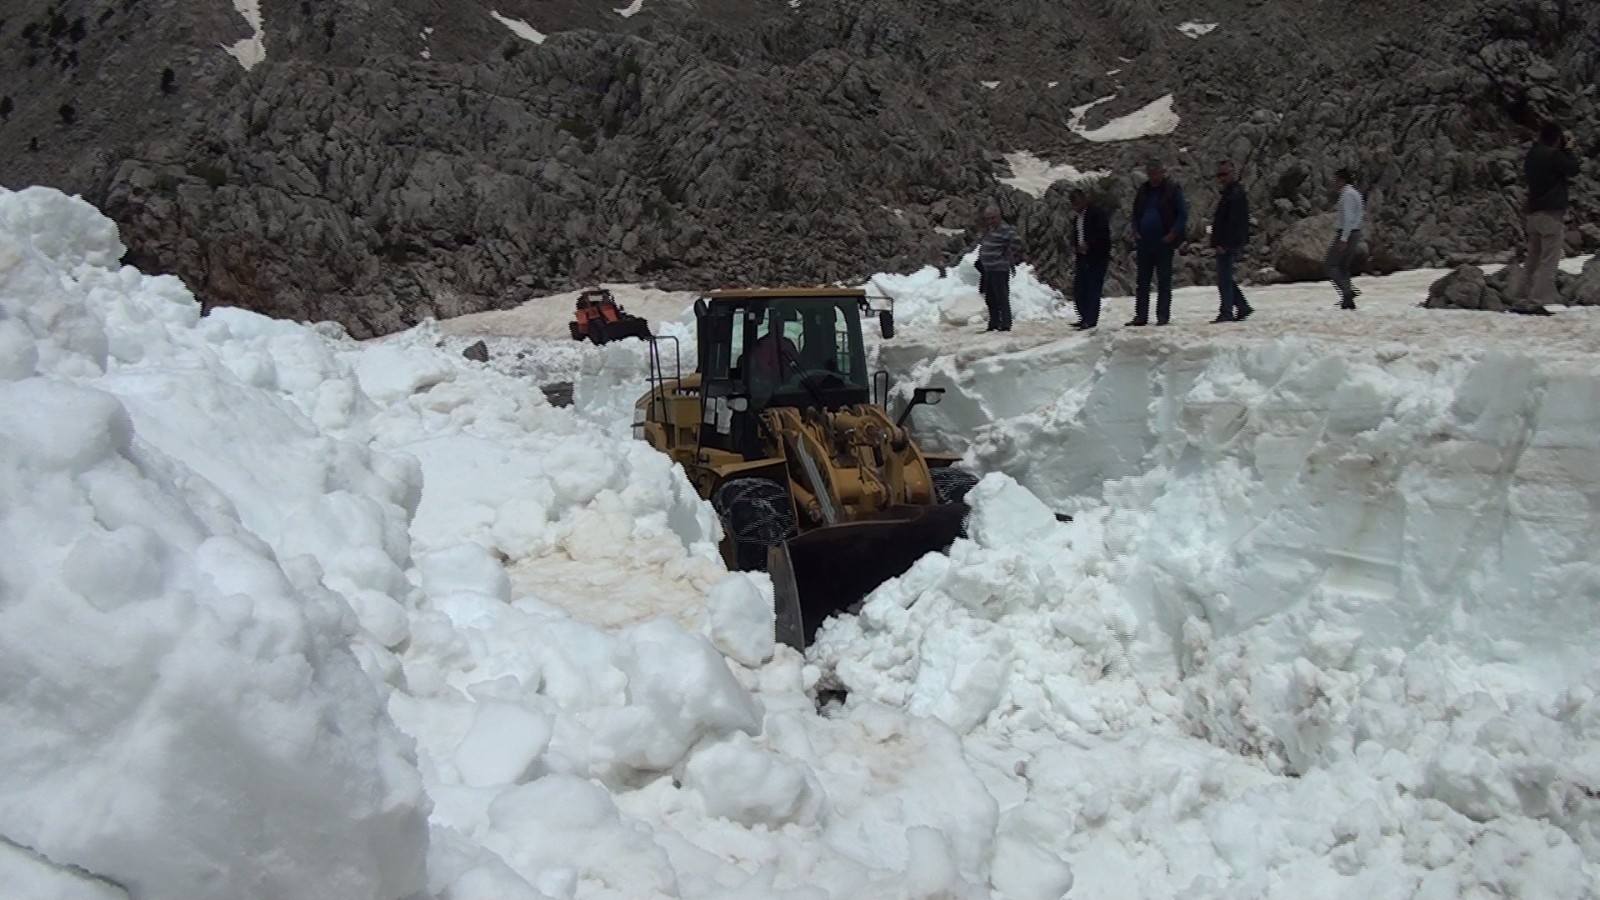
(519, 28)
(1154, 118)
(1033, 175)
(288, 615)
(253, 49)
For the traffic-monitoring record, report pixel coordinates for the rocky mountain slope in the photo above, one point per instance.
(379, 162)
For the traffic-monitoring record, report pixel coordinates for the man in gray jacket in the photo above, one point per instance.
(998, 255)
(1547, 168)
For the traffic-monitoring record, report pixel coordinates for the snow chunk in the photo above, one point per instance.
(519, 28)
(1034, 176)
(927, 298)
(989, 85)
(504, 742)
(389, 374)
(631, 10)
(740, 617)
(747, 784)
(679, 691)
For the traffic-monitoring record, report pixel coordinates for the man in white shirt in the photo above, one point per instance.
(1346, 246)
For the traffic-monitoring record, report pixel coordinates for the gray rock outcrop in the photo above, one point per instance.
(386, 163)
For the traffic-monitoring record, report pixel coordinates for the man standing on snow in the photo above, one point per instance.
(1091, 229)
(1347, 243)
(998, 255)
(1160, 217)
(1230, 231)
(1547, 168)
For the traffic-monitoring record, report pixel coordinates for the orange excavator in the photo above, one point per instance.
(600, 318)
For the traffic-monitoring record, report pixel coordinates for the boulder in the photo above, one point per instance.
(1585, 289)
(1463, 288)
(1298, 254)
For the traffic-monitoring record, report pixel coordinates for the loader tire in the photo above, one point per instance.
(756, 514)
(951, 484)
(577, 333)
(598, 332)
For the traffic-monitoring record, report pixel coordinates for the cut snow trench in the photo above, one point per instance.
(280, 543)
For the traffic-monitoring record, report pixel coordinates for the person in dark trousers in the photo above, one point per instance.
(998, 255)
(1160, 217)
(1546, 169)
(1091, 240)
(1346, 247)
(1230, 231)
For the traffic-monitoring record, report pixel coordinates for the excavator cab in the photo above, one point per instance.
(783, 430)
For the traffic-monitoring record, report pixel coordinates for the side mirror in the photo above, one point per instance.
(701, 307)
(930, 396)
(886, 323)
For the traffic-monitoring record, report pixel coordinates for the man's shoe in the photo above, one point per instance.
(1244, 313)
(1163, 322)
(1221, 320)
(1348, 304)
(1136, 323)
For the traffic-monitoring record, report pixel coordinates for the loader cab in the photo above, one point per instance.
(792, 348)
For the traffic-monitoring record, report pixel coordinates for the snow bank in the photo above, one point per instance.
(1322, 618)
(185, 716)
(246, 550)
(1197, 30)
(926, 298)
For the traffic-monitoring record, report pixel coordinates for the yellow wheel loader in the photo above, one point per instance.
(788, 435)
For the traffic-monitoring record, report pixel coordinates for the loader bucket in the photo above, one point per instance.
(832, 569)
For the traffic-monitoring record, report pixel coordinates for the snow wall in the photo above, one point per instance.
(1402, 493)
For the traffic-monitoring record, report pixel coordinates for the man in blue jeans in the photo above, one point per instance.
(1230, 231)
(1160, 216)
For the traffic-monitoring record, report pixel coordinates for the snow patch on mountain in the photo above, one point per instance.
(519, 28)
(251, 50)
(1154, 118)
(1034, 176)
(1197, 30)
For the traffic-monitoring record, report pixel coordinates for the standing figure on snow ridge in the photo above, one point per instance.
(1160, 217)
(998, 255)
(1230, 231)
(1346, 247)
(1547, 168)
(1091, 244)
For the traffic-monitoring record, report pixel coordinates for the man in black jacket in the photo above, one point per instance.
(1160, 218)
(1547, 168)
(1230, 231)
(1091, 244)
